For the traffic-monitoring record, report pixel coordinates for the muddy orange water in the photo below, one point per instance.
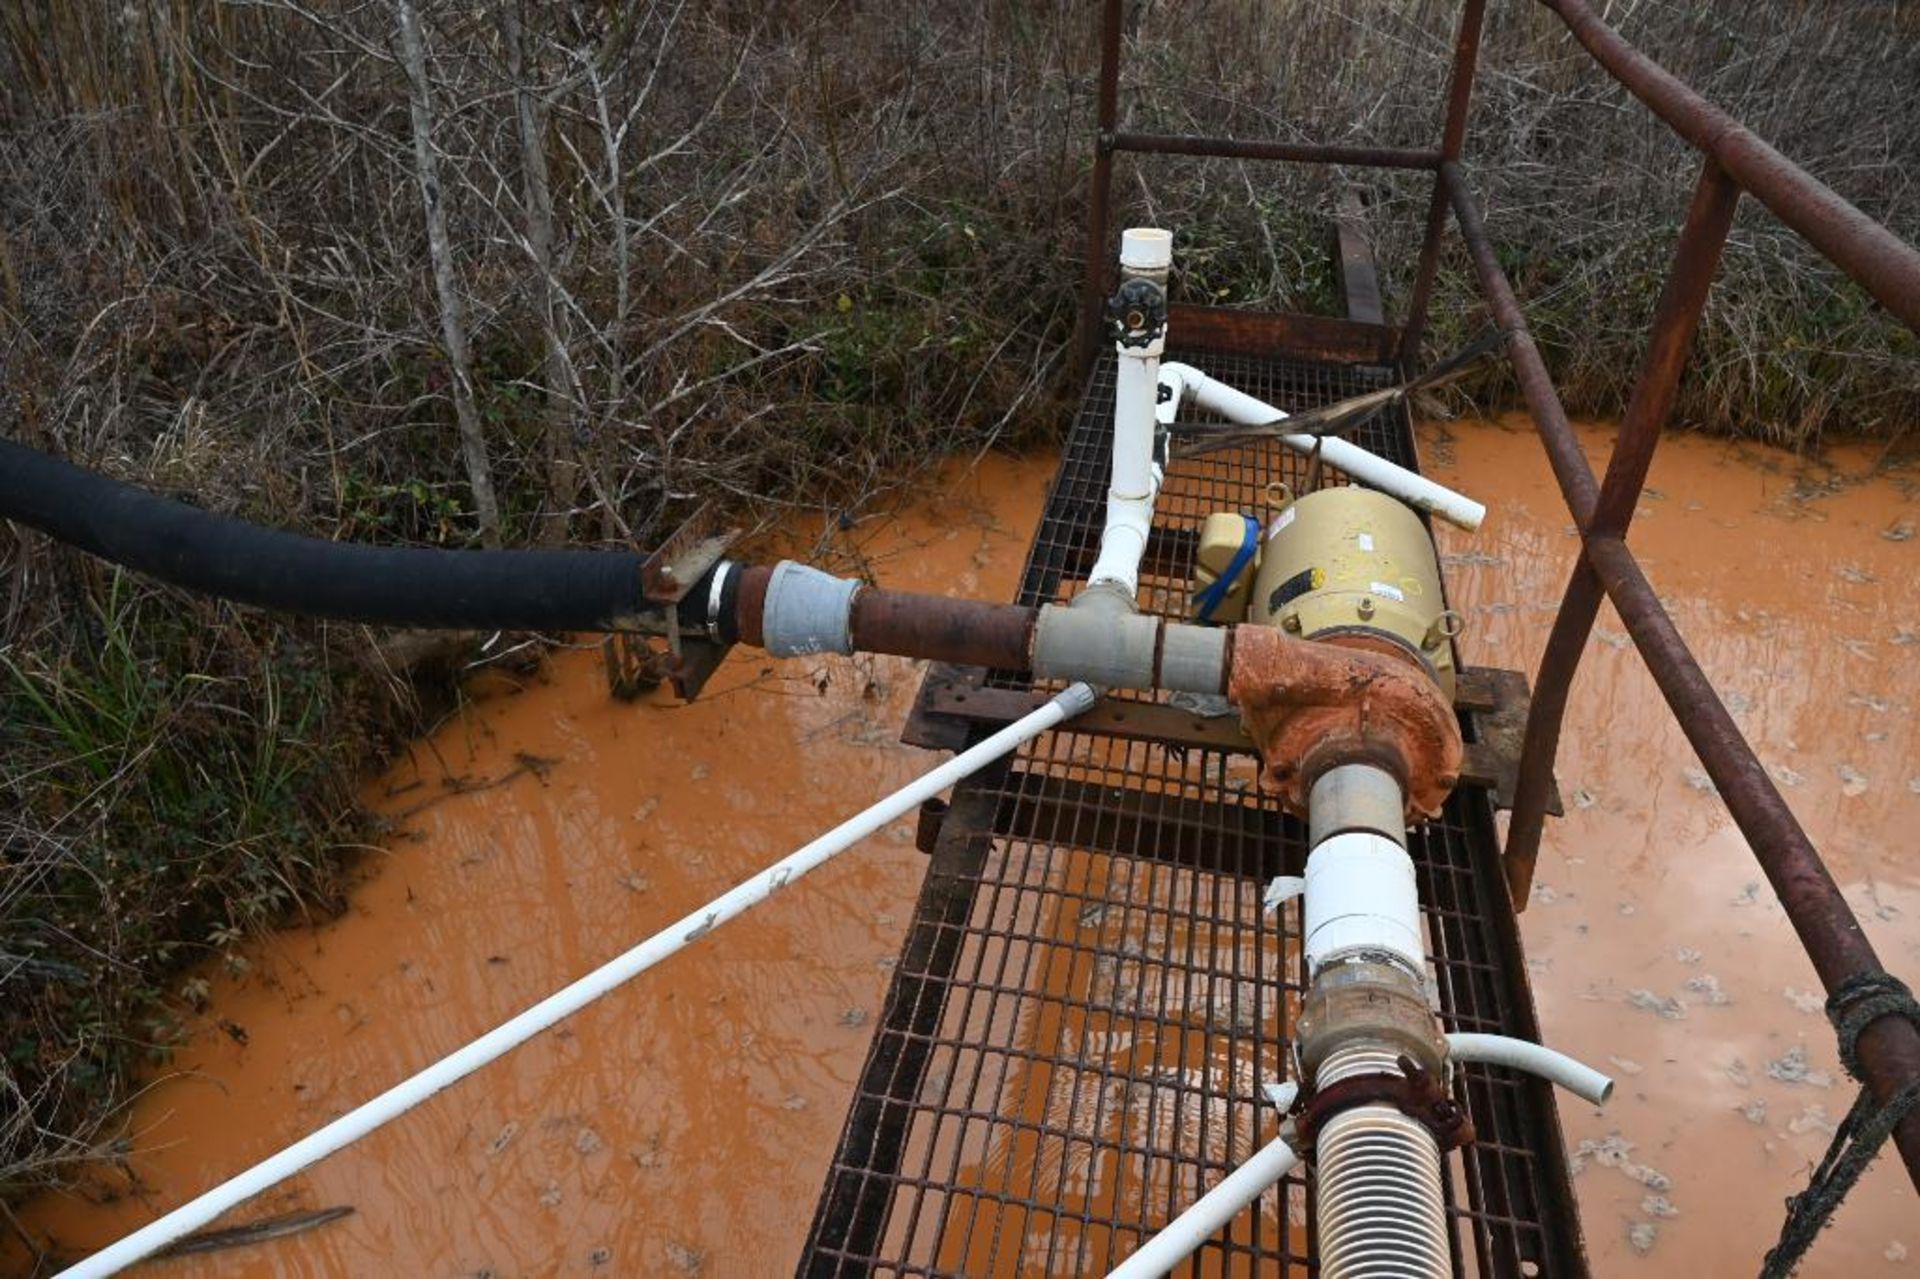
(683, 1124)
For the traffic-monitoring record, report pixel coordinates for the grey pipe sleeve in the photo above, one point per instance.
(1193, 659)
(1106, 648)
(1113, 649)
(807, 612)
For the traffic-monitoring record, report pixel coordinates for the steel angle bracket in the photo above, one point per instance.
(682, 562)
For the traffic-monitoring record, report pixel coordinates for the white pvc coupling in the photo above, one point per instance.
(1146, 250)
(1360, 896)
(1123, 543)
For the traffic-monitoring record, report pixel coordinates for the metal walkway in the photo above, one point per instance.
(1090, 995)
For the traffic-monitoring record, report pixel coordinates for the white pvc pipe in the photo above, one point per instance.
(1576, 1077)
(1123, 543)
(1180, 1237)
(1361, 896)
(1416, 490)
(1134, 480)
(509, 1035)
(1136, 383)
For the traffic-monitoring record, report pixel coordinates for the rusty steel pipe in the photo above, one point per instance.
(1696, 259)
(1536, 387)
(1093, 287)
(938, 628)
(1466, 60)
(1268, 149)
(1877, 259)
(1825, 924)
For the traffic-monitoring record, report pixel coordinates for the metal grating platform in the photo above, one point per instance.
(1090, 995)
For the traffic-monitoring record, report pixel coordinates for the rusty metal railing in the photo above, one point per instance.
(1735, 162)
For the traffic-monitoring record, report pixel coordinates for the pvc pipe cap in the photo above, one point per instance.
(1146, 248)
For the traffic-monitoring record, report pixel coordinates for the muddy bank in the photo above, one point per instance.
(682, 1126)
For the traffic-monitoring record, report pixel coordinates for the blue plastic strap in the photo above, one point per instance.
(1211, 597)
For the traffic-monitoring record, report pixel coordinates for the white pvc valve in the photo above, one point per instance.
(1146, 249)
(1361, 895)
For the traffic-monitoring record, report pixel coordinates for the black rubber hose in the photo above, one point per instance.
(385, 586)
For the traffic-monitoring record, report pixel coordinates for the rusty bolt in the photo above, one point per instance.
(1366, 609)
(667, 574)
(1291, 622)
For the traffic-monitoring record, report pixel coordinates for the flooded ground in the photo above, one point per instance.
(1658, 951)
(682, 1125)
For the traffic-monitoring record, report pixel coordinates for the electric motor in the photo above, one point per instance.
(1350, 563)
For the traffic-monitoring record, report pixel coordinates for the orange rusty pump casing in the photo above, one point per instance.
(1346, 654)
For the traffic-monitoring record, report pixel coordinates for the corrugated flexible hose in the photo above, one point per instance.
(1380, 1211)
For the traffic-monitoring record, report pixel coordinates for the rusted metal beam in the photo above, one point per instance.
(1263, 149)
(1130, 721)
(1093, 286)
(852, 1211)
(1269, 333)
(1834, 941)
(1696, 259)
(1878, 260)
(1355, 270)
(1453, 136)
(950, 699)
(1494, 757)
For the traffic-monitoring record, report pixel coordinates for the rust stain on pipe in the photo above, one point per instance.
(1311, 704)
(942, 629)
(750, 607)
(938, 628)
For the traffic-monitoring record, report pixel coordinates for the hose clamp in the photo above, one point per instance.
(716, 596)
(1413, 1092)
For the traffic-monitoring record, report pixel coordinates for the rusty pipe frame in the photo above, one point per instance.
(1453, 137)
(1696, 260)
(1093, 287)
(1832, 937)
(1876, 259)
(1267, 149)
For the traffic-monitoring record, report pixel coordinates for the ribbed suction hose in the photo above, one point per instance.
(1380, 1211)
